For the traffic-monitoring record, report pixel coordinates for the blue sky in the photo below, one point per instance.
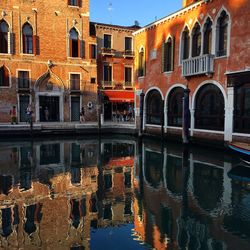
(125, 12)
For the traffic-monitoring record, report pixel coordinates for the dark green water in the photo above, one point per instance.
(116, 194)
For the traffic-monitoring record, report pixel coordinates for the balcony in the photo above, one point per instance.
(129, 53)
(107, 51)
(23, 85)
(117, 85)
(75, 86)
(198, 65)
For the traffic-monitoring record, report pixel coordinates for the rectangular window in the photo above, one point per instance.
(75, 81)
(74, 2)
(107, 73)
(92, 80)
(23, 80)
(107, 41)
(128, 43)
(27, 44)
(128, 75)
(92, 51)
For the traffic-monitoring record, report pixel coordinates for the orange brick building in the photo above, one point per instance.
(115, 66)
(204, 47)
(44, 60)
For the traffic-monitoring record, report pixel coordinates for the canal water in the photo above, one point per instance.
(117, 194)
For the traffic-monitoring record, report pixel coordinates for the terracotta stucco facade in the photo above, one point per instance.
(235, 62)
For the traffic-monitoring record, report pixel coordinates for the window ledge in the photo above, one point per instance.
(5, 54)
(220, 57)
(74, 7)
(75, 58)
(168, 72)
(141, 77)
(5, 87)
(24, 54)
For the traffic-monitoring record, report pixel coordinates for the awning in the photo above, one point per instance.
(119, 95)
(121, 162)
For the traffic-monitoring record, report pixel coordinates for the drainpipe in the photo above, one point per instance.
(185, 117)
(142, 95)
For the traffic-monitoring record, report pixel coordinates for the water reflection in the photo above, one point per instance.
(91, 194)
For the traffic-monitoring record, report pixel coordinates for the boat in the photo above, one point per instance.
(242, 149)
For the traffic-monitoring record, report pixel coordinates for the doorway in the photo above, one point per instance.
(49, 108)
(75, 108)
(24, 101)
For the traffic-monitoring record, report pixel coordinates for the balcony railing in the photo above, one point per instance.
(23, 84)
(74, 85)
(128, 53)
(198, 65)
(107, 51)
(117, 85)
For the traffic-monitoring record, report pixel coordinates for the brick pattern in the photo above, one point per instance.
(51, 22)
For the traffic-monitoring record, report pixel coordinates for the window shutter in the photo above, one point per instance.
(10, 43)
(34, 39)
(173, 50)
(163, 58)
(144, 63)
(70, 47)
(24, 45)
(81, 47)
(90, 51)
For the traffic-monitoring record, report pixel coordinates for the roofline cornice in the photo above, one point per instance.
(169, 17)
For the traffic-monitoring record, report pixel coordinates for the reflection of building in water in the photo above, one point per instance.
(164, 218)
(55, 191)
(115, 185)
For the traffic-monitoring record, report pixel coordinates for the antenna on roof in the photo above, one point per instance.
(110, 9)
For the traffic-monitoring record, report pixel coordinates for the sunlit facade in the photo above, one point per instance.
(203, 48)
(45, 61)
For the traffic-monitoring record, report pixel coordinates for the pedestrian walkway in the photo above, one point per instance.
(65, 128)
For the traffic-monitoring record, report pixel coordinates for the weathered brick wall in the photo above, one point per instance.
(51, 22)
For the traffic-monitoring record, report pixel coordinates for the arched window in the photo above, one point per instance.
(207, 41)
(242, 108)
(185, 44)
(4, 30)
(154, 107)
(175, 107)
(196, 40)
(168, 55)
(74, 43)
(209, 108)
(4, 77)
(141, 63)
(28, 45)
(222, 34)
(154, 168)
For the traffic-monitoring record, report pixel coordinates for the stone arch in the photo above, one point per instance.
(168, 96)
(151, 118)
(47, 79)
(210, 113)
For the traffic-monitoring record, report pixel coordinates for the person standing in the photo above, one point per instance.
(13, 115)
(46, 114)
(82, 114)
(28, 114)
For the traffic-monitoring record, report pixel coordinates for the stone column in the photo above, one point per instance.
(229, 108)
